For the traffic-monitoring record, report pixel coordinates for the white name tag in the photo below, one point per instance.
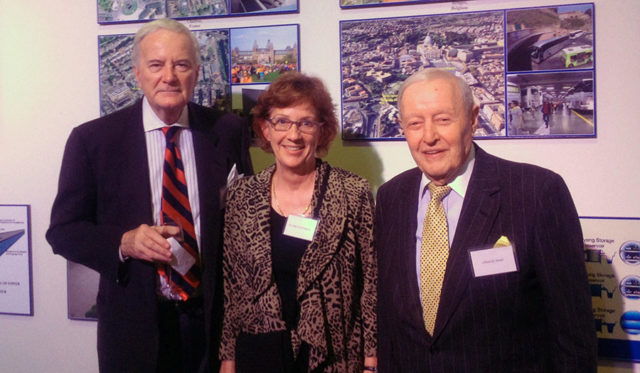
(300, 227)
(493, 261)
(182, 260)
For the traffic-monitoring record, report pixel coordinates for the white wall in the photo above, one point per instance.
(49, 84)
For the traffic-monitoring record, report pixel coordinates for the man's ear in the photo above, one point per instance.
(474, 117)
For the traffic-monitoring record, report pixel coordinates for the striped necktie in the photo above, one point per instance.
(434, 253)
(176, 208)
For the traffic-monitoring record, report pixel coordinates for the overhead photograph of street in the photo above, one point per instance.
(378, 54)
(118, 86)
(196, 8)
(356, 3)
(552, 38)
(130, 10)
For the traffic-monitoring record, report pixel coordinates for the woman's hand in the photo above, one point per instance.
(370, 362)
(228, 366)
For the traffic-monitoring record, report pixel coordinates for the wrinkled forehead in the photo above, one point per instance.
(446, 90)
(164, 39)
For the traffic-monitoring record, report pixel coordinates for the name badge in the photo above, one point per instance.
(493, 261)
(182, 260)
(300, 227)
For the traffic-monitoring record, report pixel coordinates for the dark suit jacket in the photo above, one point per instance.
(537, 319)
(104, 191)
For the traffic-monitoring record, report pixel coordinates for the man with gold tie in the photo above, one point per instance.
(481, 264)
(139, 202)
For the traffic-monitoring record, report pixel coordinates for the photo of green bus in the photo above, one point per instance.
(577, 56)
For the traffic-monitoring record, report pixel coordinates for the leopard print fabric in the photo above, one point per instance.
(336, 279)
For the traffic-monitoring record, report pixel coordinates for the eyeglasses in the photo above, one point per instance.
(304, 125)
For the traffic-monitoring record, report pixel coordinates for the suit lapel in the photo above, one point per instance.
(211, 169)
(133, 159)
(211, 164)
(404, 207)
(479, 212)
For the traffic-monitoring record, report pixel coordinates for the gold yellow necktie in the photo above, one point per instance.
(433, 255)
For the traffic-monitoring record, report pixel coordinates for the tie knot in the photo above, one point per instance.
(170, 133)
(438, 192)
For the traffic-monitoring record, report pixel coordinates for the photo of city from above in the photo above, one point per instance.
(118, 85)
(258, 6)
(550, 38)
(116, 11)
(196, 8)
(131, 10)
(364, 3)
(378, 54)
(551, 104)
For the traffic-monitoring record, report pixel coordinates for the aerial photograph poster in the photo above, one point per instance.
(119, 11)
(366, 3)
(229, 57)
(118, 85)
(377, 55)
(520, 100)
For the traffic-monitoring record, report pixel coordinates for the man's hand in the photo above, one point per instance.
(148, 243)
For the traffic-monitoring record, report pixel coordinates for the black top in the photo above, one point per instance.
(286, 255)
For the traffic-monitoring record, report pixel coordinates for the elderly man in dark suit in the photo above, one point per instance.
(481, 264)
(139, 202)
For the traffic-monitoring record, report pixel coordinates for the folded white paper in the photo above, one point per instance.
(182, 260)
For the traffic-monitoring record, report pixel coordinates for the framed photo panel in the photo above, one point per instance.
(82, 290)
(367, 3)
(244, 56)
(612, 256)
(260, 54)
(113, 11)
(252, 7)
(120, 11)
(16, 288)
(524, 88)
(118, 85)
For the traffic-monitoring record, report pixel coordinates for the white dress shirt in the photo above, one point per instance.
(156, 145)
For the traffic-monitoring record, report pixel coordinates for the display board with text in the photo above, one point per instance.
(612, 255)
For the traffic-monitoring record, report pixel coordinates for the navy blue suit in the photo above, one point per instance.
(538, 319)
(104, 191)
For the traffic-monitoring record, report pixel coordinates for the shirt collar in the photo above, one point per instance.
(151, 122)
(461, 182)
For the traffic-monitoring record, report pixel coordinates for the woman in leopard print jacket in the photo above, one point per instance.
(299, 264)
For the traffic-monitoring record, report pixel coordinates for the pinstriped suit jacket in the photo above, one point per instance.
(538, 319)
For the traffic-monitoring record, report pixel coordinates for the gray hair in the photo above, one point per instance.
(431, 74)
(163, 24)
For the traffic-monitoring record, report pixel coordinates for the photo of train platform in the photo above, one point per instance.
(559, 104)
